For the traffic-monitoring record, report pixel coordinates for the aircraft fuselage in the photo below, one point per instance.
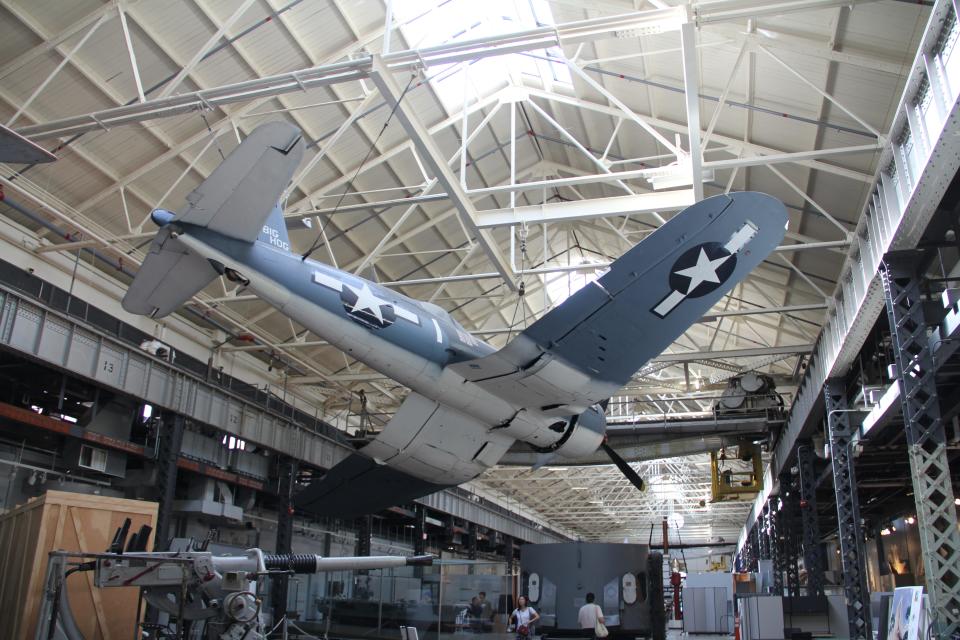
(406, 340)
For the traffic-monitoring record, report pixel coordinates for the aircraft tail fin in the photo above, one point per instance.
(274, 231)
(236, 197)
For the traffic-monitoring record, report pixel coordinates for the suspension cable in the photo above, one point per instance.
(346, 187)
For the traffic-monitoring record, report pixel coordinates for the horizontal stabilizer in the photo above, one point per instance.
(236, 199)
(168, 277)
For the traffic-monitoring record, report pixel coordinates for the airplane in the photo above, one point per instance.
(468, 402)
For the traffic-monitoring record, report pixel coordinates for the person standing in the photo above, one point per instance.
(590, 614)
(523, 617)
(475, 611)
(487, 615)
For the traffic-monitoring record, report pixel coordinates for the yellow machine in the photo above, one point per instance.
(736, 478)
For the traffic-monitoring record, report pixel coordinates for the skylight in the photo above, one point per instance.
(429, 23)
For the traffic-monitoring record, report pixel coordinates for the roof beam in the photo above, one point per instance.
(188, 68)
(691, 89)
(583, 209)
(748, 148)
(791, 43)
(711, 11)
(791, 156)
(433, 157)
(54, 41)
(345, 71)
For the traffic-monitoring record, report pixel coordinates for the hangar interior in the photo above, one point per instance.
(797, 443)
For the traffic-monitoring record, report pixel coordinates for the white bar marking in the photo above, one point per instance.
(327, 281)
(407, 315)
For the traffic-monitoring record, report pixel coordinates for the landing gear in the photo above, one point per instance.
(658, 615)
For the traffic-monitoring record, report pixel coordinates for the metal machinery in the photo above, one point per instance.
(737, 477)
(212, 597)
(627, 580)
(749, 393)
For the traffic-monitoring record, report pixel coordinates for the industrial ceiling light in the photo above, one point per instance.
(677, 174)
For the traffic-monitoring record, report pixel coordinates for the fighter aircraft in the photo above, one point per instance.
(468, 401)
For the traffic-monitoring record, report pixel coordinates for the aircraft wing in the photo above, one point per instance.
(16, 149)
(588, 347)
(425, 447)
(235, 199)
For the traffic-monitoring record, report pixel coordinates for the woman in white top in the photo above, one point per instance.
(524, 617)
(589, 615)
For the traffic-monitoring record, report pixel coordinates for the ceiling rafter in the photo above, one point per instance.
(565, 155)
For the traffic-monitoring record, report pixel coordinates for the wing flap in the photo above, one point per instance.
(425, 447)
(238, 196)
(434, 442)
(548, 385)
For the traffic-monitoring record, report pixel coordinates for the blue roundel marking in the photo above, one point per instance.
(377, 315)
(702, 269)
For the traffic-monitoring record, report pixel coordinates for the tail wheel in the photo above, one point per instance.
(658, 615)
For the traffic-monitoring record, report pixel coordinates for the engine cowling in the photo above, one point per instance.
(582, 434)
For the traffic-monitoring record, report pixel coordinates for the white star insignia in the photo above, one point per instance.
(366, 301)
(704, 271)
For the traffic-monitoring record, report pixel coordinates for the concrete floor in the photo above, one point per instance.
(677, 634)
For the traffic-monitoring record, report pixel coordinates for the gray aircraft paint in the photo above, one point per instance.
(469, 400)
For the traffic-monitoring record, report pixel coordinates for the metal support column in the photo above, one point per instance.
(753, 545)
(508, 553)
(791, 535)
(812, 549)
(168, 451)
(840, 430)
(926, 438)
(287, 476)
(472, 534)
(364, 535)
(419, 530)
(419, 535)
(764, 532)
(776, 547)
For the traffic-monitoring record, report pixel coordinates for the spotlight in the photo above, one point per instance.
(910, 520)
(885, 531)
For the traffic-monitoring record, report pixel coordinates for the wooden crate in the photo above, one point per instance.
(71, 522)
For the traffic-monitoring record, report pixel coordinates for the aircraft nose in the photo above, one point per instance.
(162, 217)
